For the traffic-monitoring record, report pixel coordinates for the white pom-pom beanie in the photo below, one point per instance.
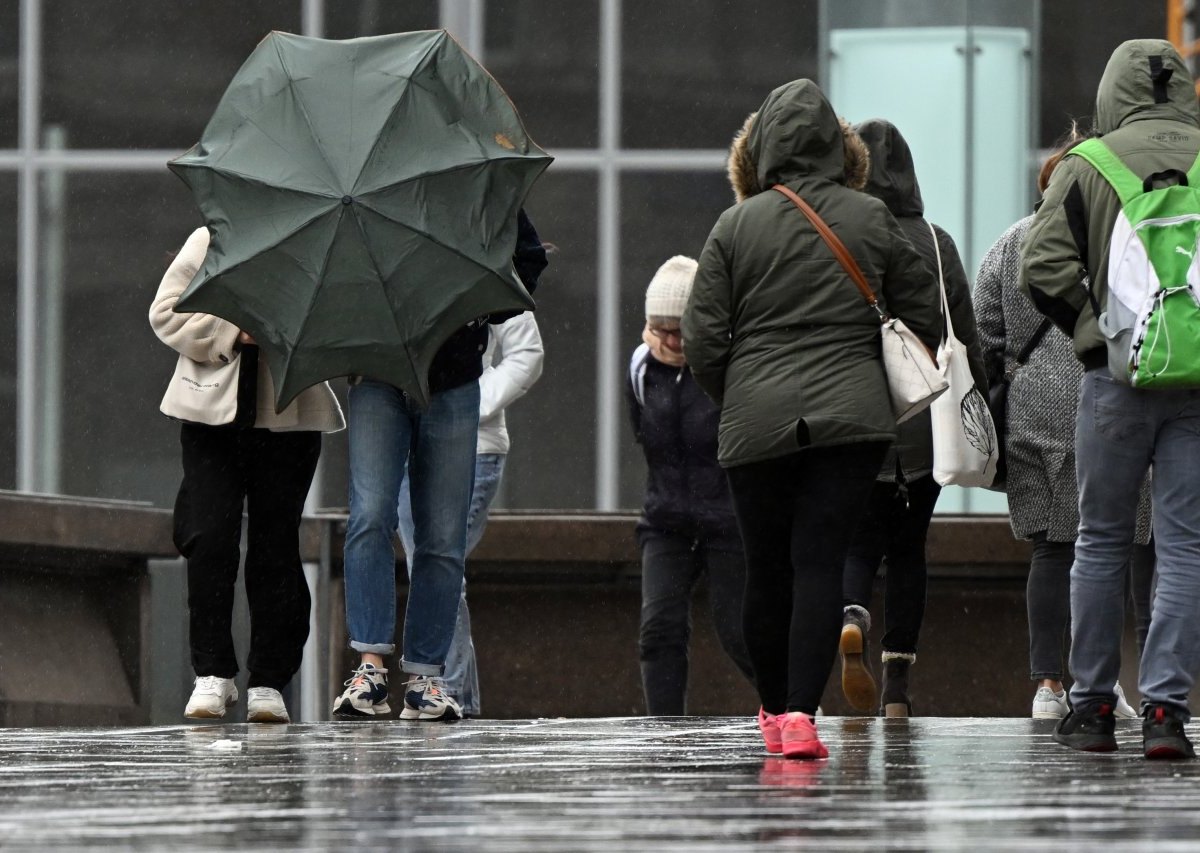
(668, 292)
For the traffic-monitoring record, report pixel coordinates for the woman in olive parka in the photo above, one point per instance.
(779, 336)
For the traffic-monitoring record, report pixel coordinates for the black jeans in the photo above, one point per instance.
(895, 525)
(797, 514)
(671, 565)
(271, 472)
(1048, 602)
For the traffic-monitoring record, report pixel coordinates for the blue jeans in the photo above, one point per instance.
(387, 432)
(462, 675)
(1120, 432)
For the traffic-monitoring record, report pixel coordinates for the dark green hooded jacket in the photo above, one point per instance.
(775, 331)
(1146, 112)
(893, 180)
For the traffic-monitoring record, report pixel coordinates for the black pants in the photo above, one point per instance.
(1048, 602)
(895, 525)
(671, 566)
(797, 514)
(271, 472)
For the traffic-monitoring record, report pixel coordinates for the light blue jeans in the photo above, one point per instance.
(1120, 432)
(388, 431)
(462, 674)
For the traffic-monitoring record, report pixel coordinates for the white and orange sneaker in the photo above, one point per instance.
(427, 699)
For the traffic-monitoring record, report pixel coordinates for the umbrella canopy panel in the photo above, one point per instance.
(362, 197)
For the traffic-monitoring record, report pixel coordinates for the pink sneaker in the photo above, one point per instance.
(768, 724)
(799, 735)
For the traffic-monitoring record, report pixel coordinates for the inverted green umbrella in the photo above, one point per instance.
(362, 200)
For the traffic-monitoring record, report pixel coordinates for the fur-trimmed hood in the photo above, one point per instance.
(802, 137)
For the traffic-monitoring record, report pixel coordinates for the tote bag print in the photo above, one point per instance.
(966, 450)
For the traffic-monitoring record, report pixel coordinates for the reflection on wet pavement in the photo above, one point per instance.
(612, 784)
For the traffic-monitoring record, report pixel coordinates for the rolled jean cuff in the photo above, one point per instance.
(373, 648)
(1042, 676)
(420, 668)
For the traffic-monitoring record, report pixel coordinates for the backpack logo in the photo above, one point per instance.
(1151, 322)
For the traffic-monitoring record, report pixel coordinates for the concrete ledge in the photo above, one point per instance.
(555, 600)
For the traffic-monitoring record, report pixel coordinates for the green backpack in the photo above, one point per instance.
(1152, 321)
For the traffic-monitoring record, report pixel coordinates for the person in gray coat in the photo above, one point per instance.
(895, 520)
(1043, 495)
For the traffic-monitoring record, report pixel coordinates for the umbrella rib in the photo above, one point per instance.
(378, 274)
(321, 277)
(429, 237)
(449, 170)
(283, 238)
(304, 112)
(408, 80)
(254, 179)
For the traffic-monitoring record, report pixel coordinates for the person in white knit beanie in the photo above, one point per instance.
(666, 297)
(687, 529)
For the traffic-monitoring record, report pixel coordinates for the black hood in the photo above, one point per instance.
(893, 177)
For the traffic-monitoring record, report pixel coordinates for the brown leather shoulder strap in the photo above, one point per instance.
(835, 245)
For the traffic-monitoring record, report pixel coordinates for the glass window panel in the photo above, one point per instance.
(345, 19)
(553, 428)
(8, 330)
(1077, 37)
(147, 75)
(693, 71)
(545, 56)
(9, 77)
(662, 215)
(117, 238)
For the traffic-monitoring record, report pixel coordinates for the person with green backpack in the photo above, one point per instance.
(1111, 260)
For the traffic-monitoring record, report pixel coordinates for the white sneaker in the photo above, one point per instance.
(265, 705)
(1048, 705)
(1123, 710)
(210, 697)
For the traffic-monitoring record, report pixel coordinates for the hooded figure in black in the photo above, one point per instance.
(897, 517)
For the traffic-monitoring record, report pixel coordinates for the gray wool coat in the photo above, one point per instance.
(1042, 399)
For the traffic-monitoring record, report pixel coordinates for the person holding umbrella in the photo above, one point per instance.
(364, 201)
(256, 457)
(389, 432)
(512, 364)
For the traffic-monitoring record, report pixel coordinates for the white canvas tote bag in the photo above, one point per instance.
(965, 447)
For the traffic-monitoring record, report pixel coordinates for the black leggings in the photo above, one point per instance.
(797, 514)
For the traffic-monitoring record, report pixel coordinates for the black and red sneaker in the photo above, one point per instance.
(1089, 729)
(1163, 735)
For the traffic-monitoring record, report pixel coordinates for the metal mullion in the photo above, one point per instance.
(312, 18)
(29, 65)
(608, 293)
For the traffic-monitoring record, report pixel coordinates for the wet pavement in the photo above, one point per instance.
(595, 784)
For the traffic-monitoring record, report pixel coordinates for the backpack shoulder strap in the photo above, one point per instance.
(637, 373)
(1109, 165)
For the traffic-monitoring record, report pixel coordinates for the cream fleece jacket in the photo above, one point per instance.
(208, 339)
